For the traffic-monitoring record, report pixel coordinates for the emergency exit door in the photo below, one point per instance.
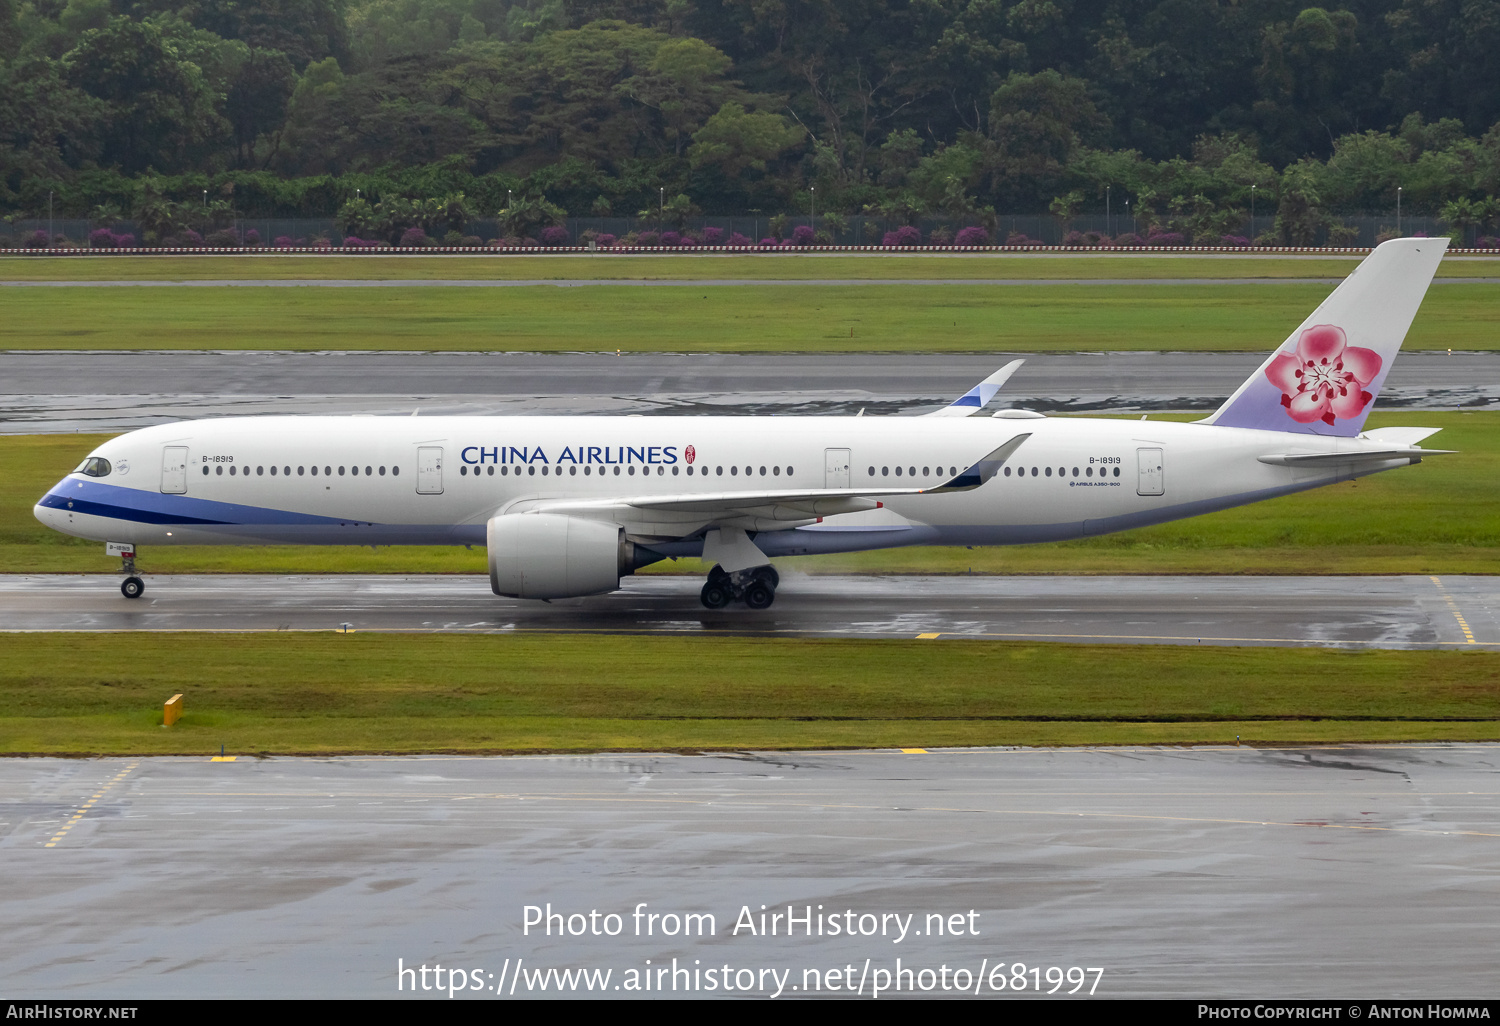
(430, 470)
(835, 468)
(1150, 473)
(174, 469)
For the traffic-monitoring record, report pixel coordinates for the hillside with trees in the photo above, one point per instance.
(392, 113)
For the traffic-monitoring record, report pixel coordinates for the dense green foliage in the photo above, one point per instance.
(129, 109)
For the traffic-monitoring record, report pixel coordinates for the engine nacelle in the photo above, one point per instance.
(543, 556)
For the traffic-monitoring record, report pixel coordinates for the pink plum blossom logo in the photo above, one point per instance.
(691, 455)
(1326, 379)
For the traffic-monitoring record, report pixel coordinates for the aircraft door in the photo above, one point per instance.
(1150, 470)
(174, 460)
(835, 468)
(430, 470)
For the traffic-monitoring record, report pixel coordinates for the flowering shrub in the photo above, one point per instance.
(252, 238)
(1074, 238)
(714, 237)
(739, 240)
(1128, 239)
(940, 236)
(37, 240)
(769, 242)
(555, 235)
(224, 237)
(972, 236)
(101, 238)
(471, 241)
(647, 239)
(124, 241)
(283, 242)
(671, 238)
(355, 242)
(190, 238)
(803, 235)
(604, 240)
(1487, 242)
(1234, 240)
(1018, 239)
(414, 237)
(906, 235)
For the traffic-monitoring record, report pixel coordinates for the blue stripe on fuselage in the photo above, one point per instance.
(143, 507)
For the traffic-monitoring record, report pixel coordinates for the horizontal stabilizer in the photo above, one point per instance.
(1404, 436)
(1319, 459)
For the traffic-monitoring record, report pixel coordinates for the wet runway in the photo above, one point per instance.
(112, 391)
(1368, 872)
(1356, 612)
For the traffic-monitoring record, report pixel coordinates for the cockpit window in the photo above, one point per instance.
(94, 466)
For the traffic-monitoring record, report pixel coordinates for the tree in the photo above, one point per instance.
(158, 108)
(734, 139)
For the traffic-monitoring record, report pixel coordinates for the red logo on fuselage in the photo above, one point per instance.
(691, 454)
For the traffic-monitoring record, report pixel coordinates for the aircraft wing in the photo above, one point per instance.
(978, 397)
(684, 513)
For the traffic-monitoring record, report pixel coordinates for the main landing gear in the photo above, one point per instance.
(756, 587)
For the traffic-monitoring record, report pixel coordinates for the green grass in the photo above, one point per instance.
(1440, 517)
(762, 266)
(751, 318)
(283, 693)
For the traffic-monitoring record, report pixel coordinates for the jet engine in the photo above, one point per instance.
(543, 556)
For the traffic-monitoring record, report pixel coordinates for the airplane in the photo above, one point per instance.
(567, 506)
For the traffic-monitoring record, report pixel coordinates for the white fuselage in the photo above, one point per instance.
(439, 480)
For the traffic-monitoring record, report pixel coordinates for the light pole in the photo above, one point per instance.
(661, 209)
(1252, 213)
(1109, 227)
(1398, 211)
(812, 201)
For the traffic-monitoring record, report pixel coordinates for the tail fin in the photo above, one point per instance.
(1325, 377)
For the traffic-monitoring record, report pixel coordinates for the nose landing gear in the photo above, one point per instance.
(132, 586)
(756, 587)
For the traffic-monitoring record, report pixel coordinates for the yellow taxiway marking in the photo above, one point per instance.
(926, 637)
(1463, 624)
(913, 751)
(89, 804)
(223, 758)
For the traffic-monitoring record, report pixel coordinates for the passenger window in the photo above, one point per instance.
(231, 470)
(327, 471)
(1035, 472)
(288, 471)
(1075, 471)
(463, 471)
(219, 469)
(273, 471)
(1007, 472)
(733, 471)
(719, 471)
(674, 471)
(885, 471)
(205, 470)
(1117, 472)
(531, 471)
(762, 471)
(662, 470)
(355, 470)
(1049, 471)
(617, 472)
(776, 471)
(260, 471)
(395, 471)
(898, 471)
(788, 471)
(544, 471)
(299, 471)
(382, 471)
(631, 471)
(341, 471)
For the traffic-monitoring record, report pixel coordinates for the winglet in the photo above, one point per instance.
(978, 397)
(985, 469)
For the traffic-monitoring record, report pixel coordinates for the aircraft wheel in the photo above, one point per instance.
(759, 595)
(768, 574)
(132, 587)
(718, 576)
(715, 595)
